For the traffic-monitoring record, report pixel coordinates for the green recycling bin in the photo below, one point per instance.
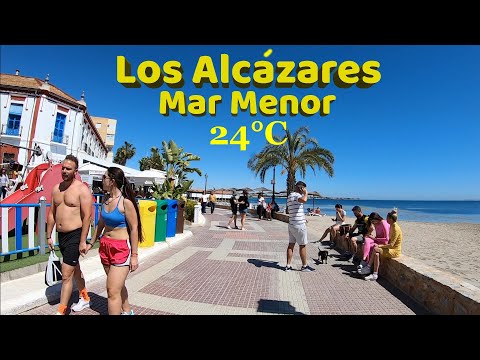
(180, 216)
(161, 221)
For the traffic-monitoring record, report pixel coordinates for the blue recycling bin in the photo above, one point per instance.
(172, 211)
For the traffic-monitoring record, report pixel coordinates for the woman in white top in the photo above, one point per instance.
(4, 183)
(260, 207)
(339, 219)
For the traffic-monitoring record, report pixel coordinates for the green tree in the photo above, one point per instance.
(124, 153)
(176, 163)
(154, 161)
(297, 153)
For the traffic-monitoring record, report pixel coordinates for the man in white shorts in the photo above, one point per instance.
(297, 228)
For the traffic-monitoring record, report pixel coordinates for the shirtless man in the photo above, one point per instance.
(70, 210)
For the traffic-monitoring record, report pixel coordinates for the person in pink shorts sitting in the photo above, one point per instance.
(382, 235)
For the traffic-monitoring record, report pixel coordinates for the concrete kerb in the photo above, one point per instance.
(28, 292)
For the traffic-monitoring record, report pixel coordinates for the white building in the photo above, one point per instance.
(35, 113)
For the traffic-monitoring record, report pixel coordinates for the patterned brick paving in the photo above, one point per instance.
(222, 271)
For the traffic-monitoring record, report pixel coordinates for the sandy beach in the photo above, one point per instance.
(452, 247)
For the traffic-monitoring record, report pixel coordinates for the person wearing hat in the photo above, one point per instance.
(234, 208)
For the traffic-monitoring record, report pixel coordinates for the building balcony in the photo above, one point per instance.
(6, 131)
(59, 141)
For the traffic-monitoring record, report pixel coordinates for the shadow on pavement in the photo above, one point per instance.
(277, 307)
(350, 270)
(265, 263)
(98, 304)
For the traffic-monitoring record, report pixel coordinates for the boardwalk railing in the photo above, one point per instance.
(36, 226)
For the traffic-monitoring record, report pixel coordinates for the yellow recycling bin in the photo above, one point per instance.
(148, 214)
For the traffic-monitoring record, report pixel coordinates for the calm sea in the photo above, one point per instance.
(408, 210)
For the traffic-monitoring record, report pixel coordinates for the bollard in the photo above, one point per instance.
(196, 213)
(41, 224)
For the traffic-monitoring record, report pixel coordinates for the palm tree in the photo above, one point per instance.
(154, 161)
(124, 152)
(296, 154)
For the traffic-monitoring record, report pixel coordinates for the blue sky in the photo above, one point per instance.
(414, 135)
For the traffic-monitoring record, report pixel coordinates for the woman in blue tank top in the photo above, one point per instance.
(120, 231)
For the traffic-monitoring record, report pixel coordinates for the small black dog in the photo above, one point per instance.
(323, 256)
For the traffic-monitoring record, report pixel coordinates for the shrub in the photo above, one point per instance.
(189, 209)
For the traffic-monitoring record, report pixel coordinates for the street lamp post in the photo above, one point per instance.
(206, 177)
(273, 185)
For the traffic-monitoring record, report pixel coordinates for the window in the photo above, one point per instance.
(98, 125)
(7, 157)
(14, 116)
(110, 138)
(59, 127)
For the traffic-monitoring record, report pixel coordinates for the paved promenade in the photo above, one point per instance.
(231, 272)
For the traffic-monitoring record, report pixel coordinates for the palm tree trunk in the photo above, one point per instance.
(290, 186)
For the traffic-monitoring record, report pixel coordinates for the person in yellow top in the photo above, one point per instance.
(391, 250)
(212, 199)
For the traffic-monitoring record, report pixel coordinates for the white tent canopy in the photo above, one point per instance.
(147, 177)
(89, 172)
(92, 172)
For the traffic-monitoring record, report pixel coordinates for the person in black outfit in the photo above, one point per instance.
(243, 205)
(234, 208)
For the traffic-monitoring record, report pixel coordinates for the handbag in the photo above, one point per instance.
(53, 271)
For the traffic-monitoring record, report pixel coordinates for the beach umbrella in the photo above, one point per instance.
(262, 190)
(315, 193)
(240, 190)
(281, 193)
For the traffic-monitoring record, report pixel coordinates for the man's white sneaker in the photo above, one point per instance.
(371, 277)
(229, 227)
(80, 305)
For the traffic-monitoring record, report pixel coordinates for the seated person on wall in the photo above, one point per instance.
(268, 211)
(382, 233)
(353, 239)
(391, 250)
(274, 208)
(339, 219)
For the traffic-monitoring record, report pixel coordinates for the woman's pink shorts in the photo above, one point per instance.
(114, 252)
